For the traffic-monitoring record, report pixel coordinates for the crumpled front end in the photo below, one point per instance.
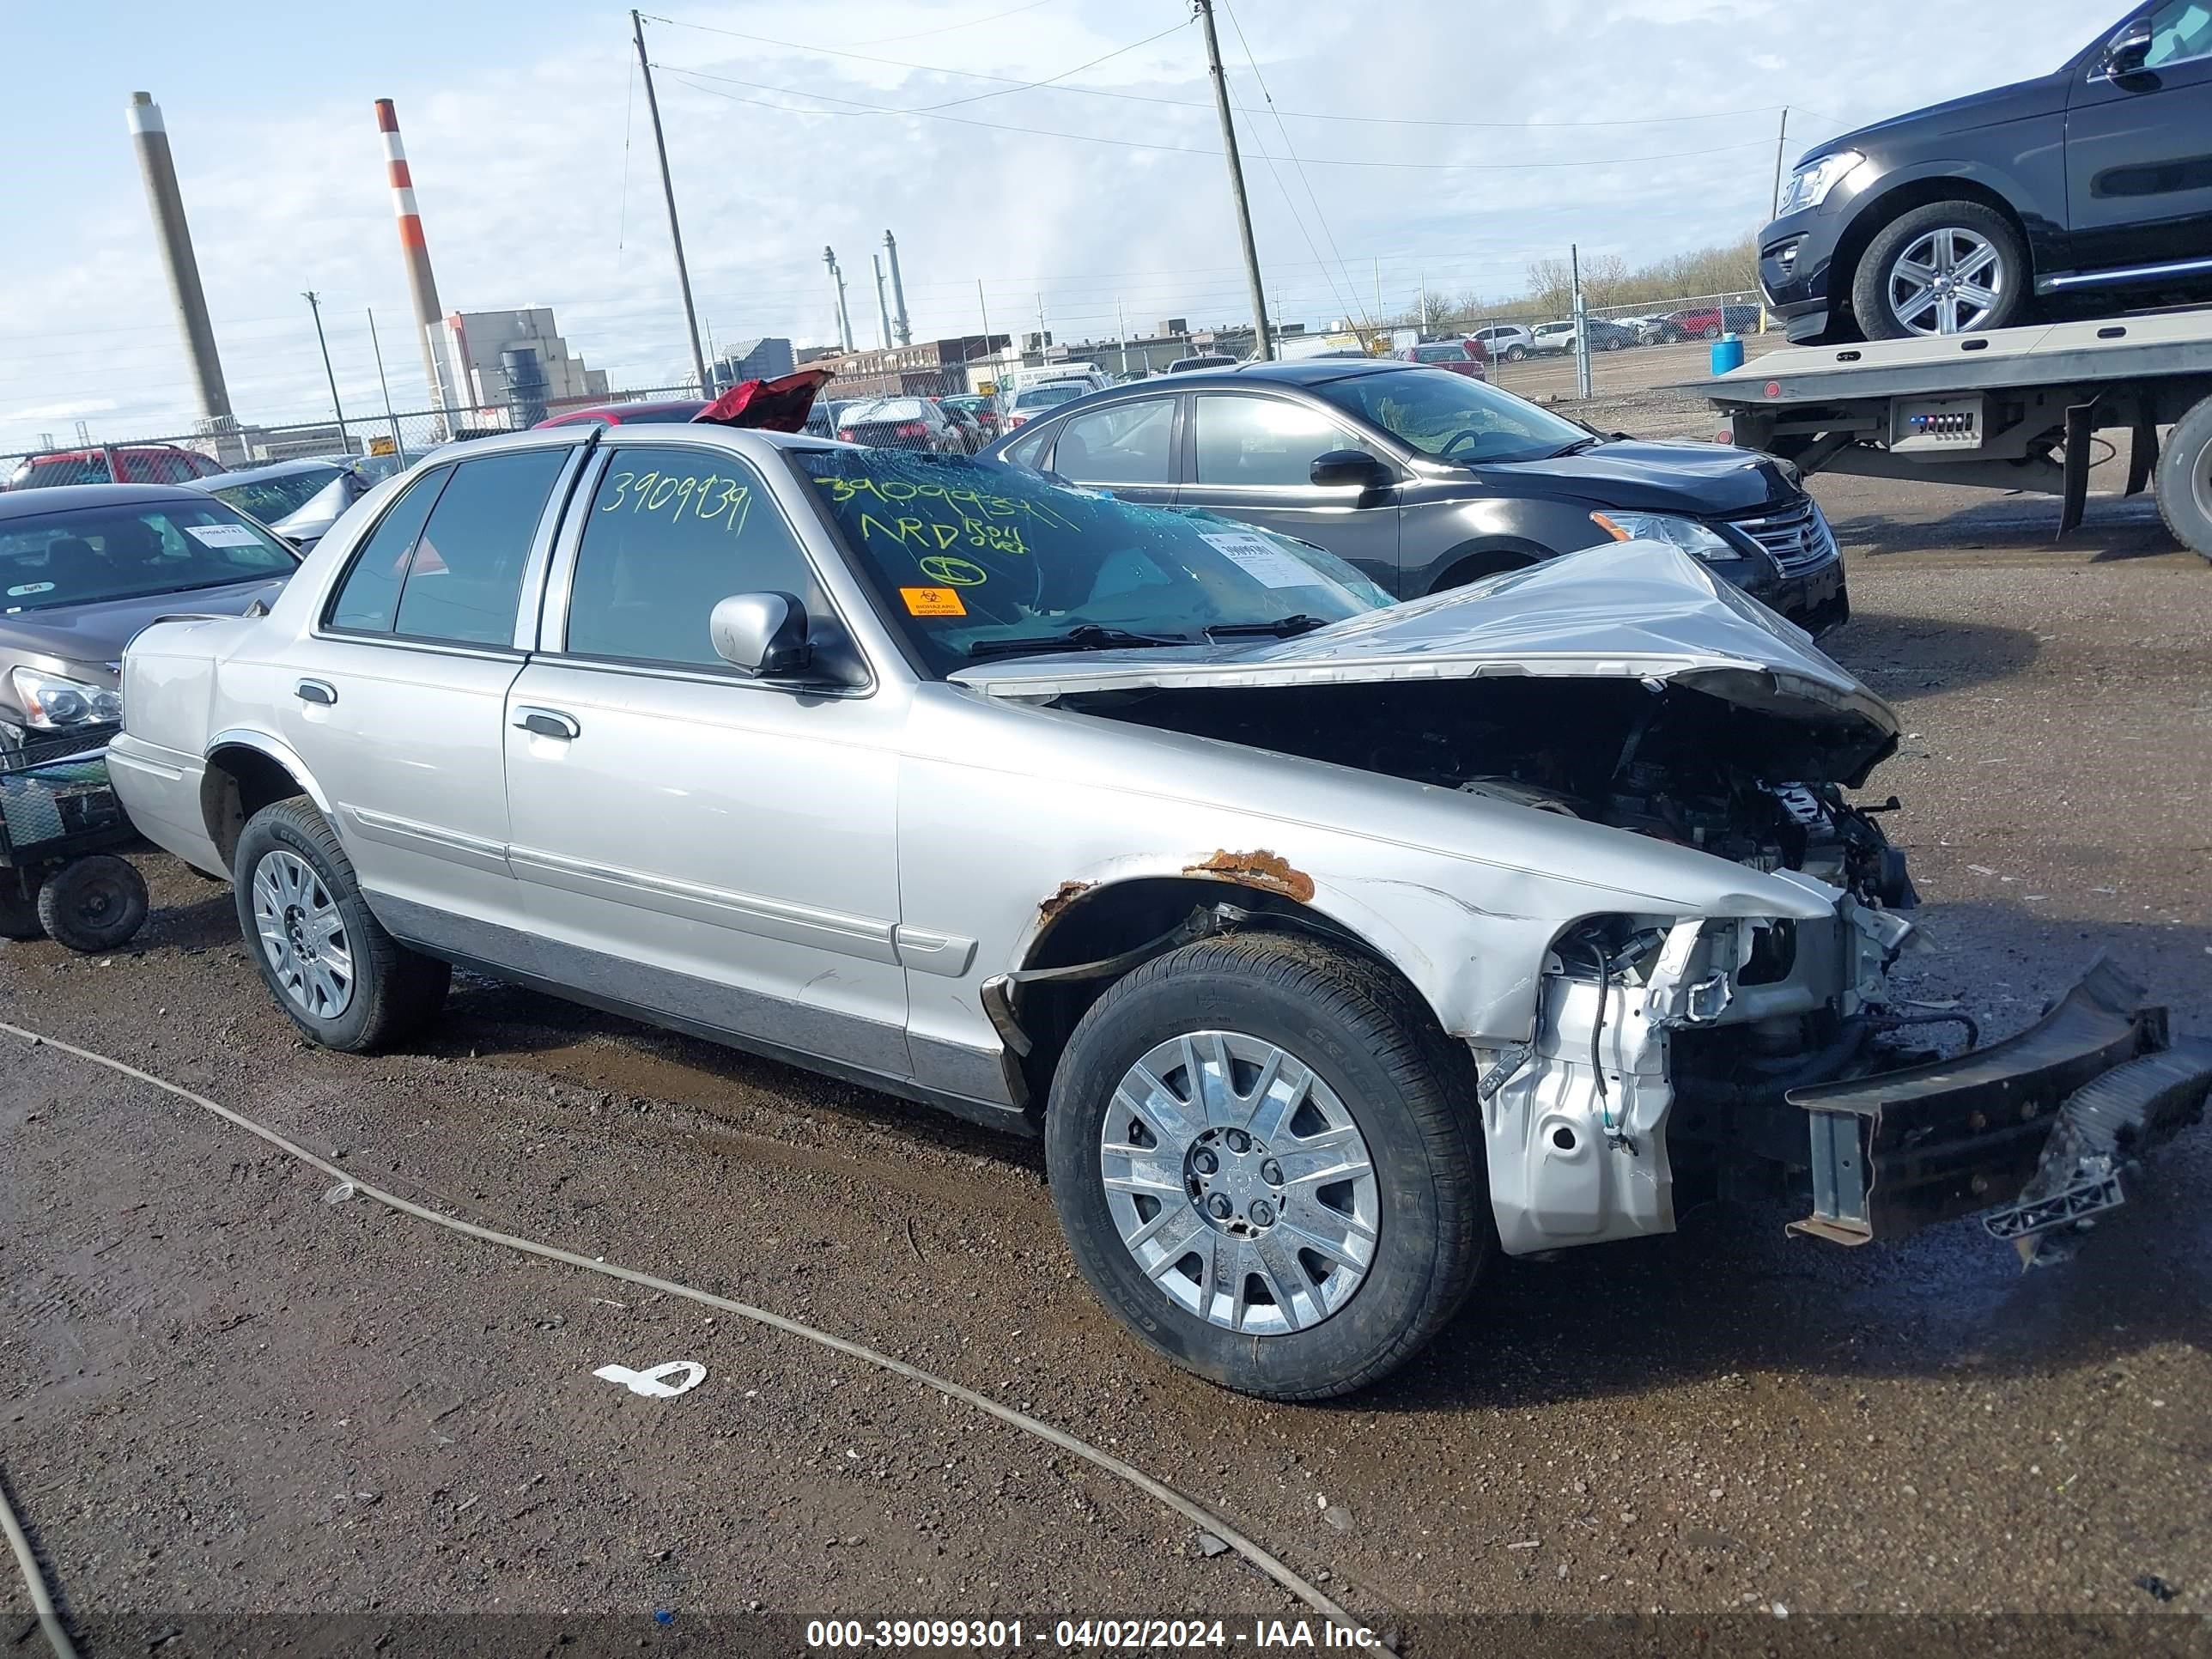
(1721, 1046)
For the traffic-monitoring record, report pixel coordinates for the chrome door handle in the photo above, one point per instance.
(547, 723)
(321, 691)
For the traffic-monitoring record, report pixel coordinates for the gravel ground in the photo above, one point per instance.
(236, 1395)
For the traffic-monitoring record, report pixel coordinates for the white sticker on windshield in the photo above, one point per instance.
(223, 535)
(1260, 559)
(29, 588)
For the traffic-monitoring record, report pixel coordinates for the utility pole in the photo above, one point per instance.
(1424, 327)
(377, 346)
(1042, 341)
(1781, 147)
(1582, 324)
(1121, 336)
(1263, 339)
(990, 354)
(668, 191)
(1378, 290)
(314, 305)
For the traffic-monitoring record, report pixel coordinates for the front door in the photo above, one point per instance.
(2139, 151)
(395, 701)
(1252, 457)
(711, 850)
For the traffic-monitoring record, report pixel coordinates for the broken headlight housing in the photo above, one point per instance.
(55, 703)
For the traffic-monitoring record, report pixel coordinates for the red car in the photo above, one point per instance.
(1460, 357)
(112, 464)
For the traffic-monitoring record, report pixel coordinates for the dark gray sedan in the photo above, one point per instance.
(1426, 480)
(84, 568)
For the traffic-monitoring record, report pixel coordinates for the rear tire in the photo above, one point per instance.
(1966, 229)
(1515, 353)
(2184, 480)
(1370, 1218)
(93, 904)
(326, 959)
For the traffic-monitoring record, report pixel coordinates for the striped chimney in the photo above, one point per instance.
(429, 325)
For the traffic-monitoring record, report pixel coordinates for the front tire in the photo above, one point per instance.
(2185, 479)
(328, 962)
(1948, 268)
(1264, 1154)
(1515, 353)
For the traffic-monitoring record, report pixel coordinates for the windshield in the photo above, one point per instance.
(1453, 417)
(272, 499)
(966, 553)
(1044, 396)
(97, 554)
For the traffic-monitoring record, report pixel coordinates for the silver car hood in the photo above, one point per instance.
(1638, 610)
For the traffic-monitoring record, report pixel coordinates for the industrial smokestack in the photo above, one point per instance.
(905, 334)
(837, 281)
(883, 305)
(429, 321)
(151, 140)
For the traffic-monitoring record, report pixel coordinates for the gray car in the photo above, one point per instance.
(1328, 943)
(82, 569)
(299, 500)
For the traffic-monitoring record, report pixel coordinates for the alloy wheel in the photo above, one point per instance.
(1947, 282)
(303, 935)
(1240, 1182)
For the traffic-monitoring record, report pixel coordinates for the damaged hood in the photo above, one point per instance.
(1637, 610)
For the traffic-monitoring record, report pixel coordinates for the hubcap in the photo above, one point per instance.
(1240, 1182)
(302, 934)
(1947, 282)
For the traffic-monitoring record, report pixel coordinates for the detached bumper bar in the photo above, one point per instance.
(2036, 1127)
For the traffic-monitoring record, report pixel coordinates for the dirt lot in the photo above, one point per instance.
(236, 1394)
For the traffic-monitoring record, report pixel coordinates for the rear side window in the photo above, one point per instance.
(369, 599)
(466, 579)
(1126, 443)
(672, 532)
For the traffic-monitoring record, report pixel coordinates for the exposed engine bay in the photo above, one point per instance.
(1670, 762)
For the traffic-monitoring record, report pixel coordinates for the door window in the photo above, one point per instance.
(1128, 443)
(671, 533)
(1263, 441)
(465, 579)
(369, 597)
(2180, 32)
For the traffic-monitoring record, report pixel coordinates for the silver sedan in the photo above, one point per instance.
(1330, 944)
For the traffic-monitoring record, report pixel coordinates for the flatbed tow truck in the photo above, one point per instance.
(2013, 409)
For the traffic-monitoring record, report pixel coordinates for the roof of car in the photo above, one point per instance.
(52, 498)
(258, 474)
(617, 414)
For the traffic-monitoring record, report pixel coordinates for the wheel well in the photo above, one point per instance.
(1481, 561)
(1886, 209)
(239, 783)
(1098, 922)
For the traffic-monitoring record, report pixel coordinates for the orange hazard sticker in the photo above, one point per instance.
(932, 602)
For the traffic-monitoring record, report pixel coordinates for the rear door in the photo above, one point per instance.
(2139, 151)
(396, 700)
(1251, 457)
(1129, 449)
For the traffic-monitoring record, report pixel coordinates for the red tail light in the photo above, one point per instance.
(911, 430)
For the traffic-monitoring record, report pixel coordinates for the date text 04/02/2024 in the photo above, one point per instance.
(1115, 1635)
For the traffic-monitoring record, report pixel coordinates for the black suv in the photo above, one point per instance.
(1427, 479)
(2093, 182)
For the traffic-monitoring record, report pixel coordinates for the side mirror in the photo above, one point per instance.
(2125, 51)
(1339, 467)
(762, 634)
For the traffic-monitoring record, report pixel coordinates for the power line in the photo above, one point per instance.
(1015, 81)
(689, 76)
(1031, 86)
(947, 28)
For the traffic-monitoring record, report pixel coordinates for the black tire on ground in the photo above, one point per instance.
(1870, 306)
(1710, 331)
(92, 904)
(2184, 479)
(1407, 1088)
(1612, 343)
(1513, 354)
(19, 916)
(394, 991)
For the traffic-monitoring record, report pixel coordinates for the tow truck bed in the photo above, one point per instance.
(2014, 409)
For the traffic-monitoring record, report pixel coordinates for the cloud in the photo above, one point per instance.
(530, 195)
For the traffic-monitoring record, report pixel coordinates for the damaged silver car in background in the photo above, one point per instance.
(1328, 943)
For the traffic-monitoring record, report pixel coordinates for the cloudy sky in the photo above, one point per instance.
(1446, 140)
